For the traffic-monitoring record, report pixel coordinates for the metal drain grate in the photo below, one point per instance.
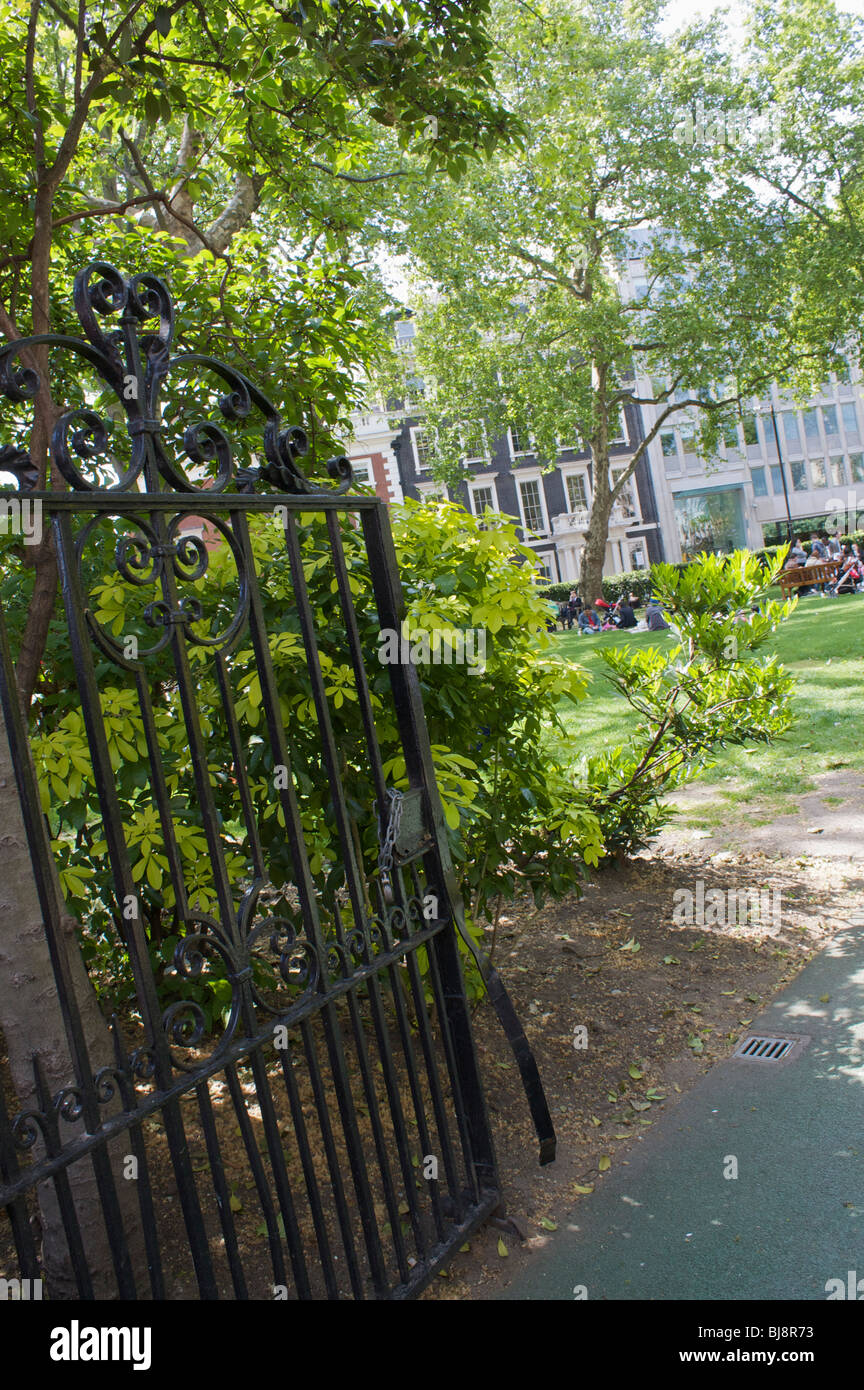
(758, 1048)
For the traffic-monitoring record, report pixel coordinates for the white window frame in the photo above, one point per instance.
(476, 458)
(367, 464)
(514, 452)
(425, 489)
(414, 431)
(631, 485)
(488, 485)
(573, 472)
(622, 437)
(535, 476)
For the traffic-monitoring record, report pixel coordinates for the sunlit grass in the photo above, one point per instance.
(822, 644)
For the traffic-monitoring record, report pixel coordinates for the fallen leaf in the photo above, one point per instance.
(584, 1190)
(635, 1072)
(604, 1163)
(502, 1248)
(549, 1225)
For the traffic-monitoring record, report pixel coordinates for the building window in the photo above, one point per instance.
(432, 492)
(811, 424)
(626, 501)
(544, 565)
(532, 504)
(838, 471)
(799, 475)
(688, 438)
(790, 429)
(621, 436)
(817, 473)
(474, 442)
(637, 558)
(423, 449)
(577, 492)
(668, 445)
(520, 442)
(850, 417)
(362, 472)
(829, 419)
(760, 485)
(777, 480)
(730, 437)
(856, 463)
(751, 434)
(481, 498)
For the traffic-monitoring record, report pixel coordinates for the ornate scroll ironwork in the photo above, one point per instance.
(134, 361)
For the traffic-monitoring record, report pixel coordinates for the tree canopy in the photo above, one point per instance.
(518, 266)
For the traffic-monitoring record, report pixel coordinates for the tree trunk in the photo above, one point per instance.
(597, 535)
(594, 553)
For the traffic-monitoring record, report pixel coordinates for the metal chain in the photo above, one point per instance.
(388, 844)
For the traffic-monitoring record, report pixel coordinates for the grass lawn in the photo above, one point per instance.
(822, 644)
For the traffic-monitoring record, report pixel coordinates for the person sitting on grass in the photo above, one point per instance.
(654, 616)
(623, 614)
(588, 621)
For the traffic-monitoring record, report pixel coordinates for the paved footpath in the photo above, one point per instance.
(668, 1225)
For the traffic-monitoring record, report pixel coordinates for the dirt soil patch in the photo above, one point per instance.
(660, 1001)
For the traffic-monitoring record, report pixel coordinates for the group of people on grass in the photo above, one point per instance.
(606, 617)
(849, 579)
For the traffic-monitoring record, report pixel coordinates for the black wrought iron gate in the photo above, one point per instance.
(320, 1131)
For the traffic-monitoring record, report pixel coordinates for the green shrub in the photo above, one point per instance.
(713, 688)
(516, 818)
(629, 581)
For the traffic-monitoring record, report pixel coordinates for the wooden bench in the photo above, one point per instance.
(804, 576)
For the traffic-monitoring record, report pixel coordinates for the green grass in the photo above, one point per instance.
(822, 644)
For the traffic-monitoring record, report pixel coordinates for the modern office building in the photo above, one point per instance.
(753, 491)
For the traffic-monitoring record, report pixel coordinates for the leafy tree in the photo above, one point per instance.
(800, 171)
(521, 322)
